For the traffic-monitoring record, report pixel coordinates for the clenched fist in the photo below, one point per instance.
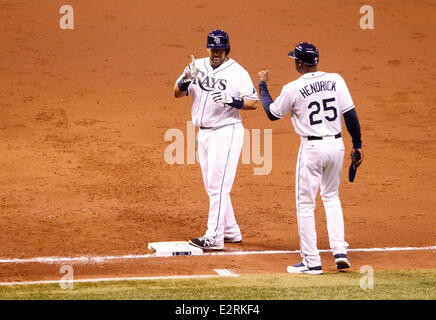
(263, 75)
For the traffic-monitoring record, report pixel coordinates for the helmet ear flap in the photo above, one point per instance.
(227, 51)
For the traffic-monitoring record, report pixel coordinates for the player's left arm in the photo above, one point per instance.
(353, 127)
(238, 103)
(249, 104)
(351, 120)
(246, 92)
(246, 97)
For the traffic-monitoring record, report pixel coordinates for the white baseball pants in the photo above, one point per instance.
(218, 152)
(319, 164)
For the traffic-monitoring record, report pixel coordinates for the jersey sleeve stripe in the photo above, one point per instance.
(348, 109)
(274, 114)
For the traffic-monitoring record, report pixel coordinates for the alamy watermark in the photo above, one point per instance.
(367, 280)
(67, 281)
(66, 22)
(367, 20)
(251, 150)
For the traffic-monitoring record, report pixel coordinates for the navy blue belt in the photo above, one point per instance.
(320, 138)
(218, 127)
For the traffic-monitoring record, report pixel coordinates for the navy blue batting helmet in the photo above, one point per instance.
(306, 52)
(218, 39)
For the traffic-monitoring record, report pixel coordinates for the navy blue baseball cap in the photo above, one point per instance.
(306, 52)
(218, 39)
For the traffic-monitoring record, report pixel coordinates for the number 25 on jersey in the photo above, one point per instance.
(330, 112)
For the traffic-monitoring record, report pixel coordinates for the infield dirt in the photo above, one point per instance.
(83, 114)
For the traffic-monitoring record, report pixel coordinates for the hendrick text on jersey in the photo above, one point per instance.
(317, 86)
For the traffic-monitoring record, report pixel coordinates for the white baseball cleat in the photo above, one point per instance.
(301, 267)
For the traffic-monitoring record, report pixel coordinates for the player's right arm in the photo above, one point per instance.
(274, 109)
(182, 84)
(266, 100)
(179, 90)
(265, 97)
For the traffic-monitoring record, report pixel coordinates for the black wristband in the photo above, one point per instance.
(237, 103)
(183, 86)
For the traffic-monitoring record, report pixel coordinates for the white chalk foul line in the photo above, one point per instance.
(220, 272)
(112, 279)
(101, 259)
(82, 259)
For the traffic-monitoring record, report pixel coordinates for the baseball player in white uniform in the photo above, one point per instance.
(220, 87)
(316, 102)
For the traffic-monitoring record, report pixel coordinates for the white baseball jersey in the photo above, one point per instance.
(230, 77)
(316, 102)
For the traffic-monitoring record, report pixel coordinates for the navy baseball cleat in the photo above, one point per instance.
(302, 268)
(341, 261)
(205, 244)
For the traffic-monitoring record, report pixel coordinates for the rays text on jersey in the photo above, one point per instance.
(208, 83)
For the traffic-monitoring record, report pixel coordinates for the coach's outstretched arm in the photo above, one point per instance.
(265, 97)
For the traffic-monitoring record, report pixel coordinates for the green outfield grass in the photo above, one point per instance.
(400, 284)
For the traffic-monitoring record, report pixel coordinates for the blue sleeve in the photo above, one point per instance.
(353, 127)
(266, 100)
